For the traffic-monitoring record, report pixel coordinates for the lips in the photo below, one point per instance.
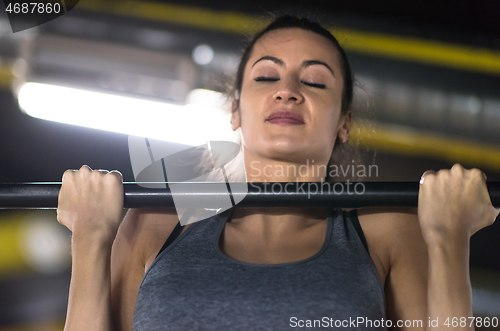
(285, 117)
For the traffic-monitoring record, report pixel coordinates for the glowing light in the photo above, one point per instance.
(203, 54)
(192, 124)
(46, 244)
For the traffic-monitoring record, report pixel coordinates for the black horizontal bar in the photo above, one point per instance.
(348, 195)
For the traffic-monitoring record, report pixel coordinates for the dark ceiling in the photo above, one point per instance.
(471, 19)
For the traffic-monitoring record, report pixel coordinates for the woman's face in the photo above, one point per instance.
(290, 102)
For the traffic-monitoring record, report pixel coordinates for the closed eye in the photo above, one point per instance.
(272, 79)
(314, 84)
(266, 79)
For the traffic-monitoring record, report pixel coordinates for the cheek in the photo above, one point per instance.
(325, 123)
(326, 112)
(251, 106)
(248, 118)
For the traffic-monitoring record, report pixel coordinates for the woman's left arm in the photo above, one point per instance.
(452, 206)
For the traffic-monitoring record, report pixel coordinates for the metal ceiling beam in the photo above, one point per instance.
(394, 47)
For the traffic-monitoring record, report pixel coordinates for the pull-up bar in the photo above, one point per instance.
(44, 195)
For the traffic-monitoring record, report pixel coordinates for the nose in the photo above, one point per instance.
(288, 91)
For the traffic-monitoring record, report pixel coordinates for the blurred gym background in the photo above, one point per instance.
(71, 90)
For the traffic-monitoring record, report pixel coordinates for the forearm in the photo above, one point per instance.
(449, 291)
(89, 304)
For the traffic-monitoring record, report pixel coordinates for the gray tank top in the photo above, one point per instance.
(193, 285)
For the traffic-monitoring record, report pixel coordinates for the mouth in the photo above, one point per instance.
(285, 118)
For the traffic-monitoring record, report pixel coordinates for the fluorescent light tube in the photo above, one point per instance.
(192, 124)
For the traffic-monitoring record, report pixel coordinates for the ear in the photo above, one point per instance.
(235, 115)
(344, 127)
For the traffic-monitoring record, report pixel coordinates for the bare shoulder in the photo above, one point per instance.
(392, 228)
(399, 252)
(140, 236)
(146, 229)
(388, 231)
(389, 220)
(388, 213)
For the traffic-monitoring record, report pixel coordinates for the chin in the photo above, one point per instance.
(291, 152)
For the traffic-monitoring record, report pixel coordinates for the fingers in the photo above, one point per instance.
(474, 172)
(69, 172)
(117, 174)
(85, 170)
(456, 170)
(457, 167)
(427, 173)
(85, 167)
(114, 173)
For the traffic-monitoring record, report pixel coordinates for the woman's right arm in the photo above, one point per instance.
(90, 204)
(108, 259)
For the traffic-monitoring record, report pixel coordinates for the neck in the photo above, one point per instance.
(279, 222)
(261, 169)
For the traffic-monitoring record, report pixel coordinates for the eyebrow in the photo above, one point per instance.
(271, 58)
(303, 65)
(316, 62)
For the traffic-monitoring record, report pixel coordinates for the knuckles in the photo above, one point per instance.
(477, 174)
(457, 168)
(443, 174)
(85, 168)
(67, 175)
(85, 175)
(456, 174)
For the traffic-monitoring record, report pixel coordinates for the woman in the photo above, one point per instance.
(276, 268)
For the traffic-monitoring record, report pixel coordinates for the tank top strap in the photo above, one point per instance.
(352, 215)
(347, 235)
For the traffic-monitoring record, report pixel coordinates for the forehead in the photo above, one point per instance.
(295, 44)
